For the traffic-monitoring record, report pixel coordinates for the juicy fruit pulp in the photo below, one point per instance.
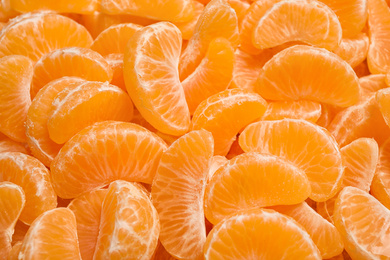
(194, 129)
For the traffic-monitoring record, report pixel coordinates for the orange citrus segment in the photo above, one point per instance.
(217, 20)
(308, 146)
(369, 85)
(383, 99)
(212, 75)
(61, 6)
(90, 102)
(380, 187)
(14, 253)
(87, 210)
(254, 180)
(352, 15)
(378, 57)
(187, 28)
(53, 235)
(35, 34)
(12, 201)
(353, 50)
(324, 234)
(114, 39)
(102, 153)
(239, 237)
(177, 193)
(34, 178)
(307, 21)
(304, 72)
(115, 60)
(363, 224)
(216, 162)
(8, 145)
(38, 139)
(226, 113)
(301, 109)
(129, 225)
(326, 209)
(77, 62)
(152, 78)
(15, 79)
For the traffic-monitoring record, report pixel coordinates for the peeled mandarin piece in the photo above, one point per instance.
(34, 178)
(217, 161)
(115, 60)
(324, 234)
(76, 108)
(8, 145)
(53, 235)
(87, 210)
(326, 209)
(12, 201)
(301, 109)
(383, 99)
(363, 224)
(240, 7)
(238, 237)
(360, 159)
(361, 120)
(6, 12)
(102, 153)
(38, 139)
(76, 62)
(187, 28)
(353, 50)
(35, 34)
(328, 112)
(212, 75)
(61, 6)
(217, 20)
(15, 78)
(226, 113)
(129, 225)
(253, 180)
(380, 187)
(352, 15)
(308, 146)
(305, 72)
(114, 39)
(308, 21)
(252, 16)
(152, 77)
(369, 85)
(14, 253)
(378, 57)
(170, 10)
(177, 193)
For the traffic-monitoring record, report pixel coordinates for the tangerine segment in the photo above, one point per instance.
(212, 75)
(77, 62)
(53, 235)
(217, 20)
(12, 201)
(383, 99)
(369, 85)
(308, 146)
(178, 191)
(253, 180)
(152, 77)
(34, 178)
(8, 145)
(226, 113)
(217, 161)
(102, 153)
(170, 10)
(115, 60)
(87, 210)
(362, 222)
(361, 120)
(353, 50)
(305, 72)
(129, 225)
(301, 109)
(326, 237)
(90, 102)
(15, 78)
(14, 253)
(238, 237)
(187, 28)
(326, 209)
(61, 6)
(308, 21)
(114, 39)
(378, 57)
(360, 159)
(352, 15)
(380, 187)
(35, 34)
(38, 139)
